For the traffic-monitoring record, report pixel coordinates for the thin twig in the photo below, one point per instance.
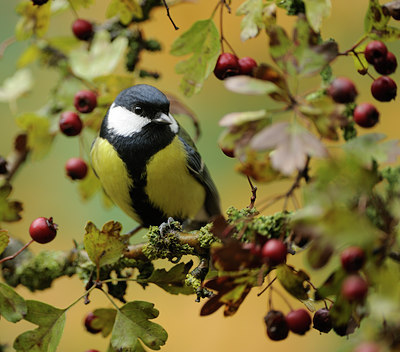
(5, 44)
(253, 192)
(169, 15)
(283, 297)
(16, 253)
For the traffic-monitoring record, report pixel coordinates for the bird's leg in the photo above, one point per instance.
(166, 227)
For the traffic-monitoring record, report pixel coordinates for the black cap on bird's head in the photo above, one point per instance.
(137, 108)
(145, 96)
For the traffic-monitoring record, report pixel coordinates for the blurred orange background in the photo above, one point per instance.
(45, 190)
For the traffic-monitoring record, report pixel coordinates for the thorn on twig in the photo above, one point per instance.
(169, 15)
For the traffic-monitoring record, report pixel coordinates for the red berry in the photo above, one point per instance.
(374, 51)
(354, 288)
(88, 323)
(82, 29)
(366, 115)
(274, 252)
(92, 351)
(254, 248)
(230, 153)
(352, 258)
(277, 327)
(299, 321)
(246, 65)
(342, 90)
(367, 347)
(76, 168)
(43, 230)
(386, 65)
(85, 101)
(70, 123)
(227, 65)
(322, 320)
(384, 89)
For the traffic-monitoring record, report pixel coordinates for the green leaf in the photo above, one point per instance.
(47, 336)
(389, 33)
(253, 21)
(40, 137)
(125, 10)
(201, 40)
(9, 209)
(16, 86)
(172, 281)
(34, 20)
(251, 86)
(294, 282)
(332, 285)
(132, 323)
(101, 59)
(375, 19)
(316, 11)
(280, 44)
(4, 239)
(104, 320)
(105, 246)
(368, 148)
(12, 305)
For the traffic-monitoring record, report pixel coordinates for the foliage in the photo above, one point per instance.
(349, 193)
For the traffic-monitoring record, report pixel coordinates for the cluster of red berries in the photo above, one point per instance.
(230, 65)
(354, 287)
(71, 125)
(384, 89)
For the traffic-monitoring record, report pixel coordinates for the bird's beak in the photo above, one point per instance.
(163, 119)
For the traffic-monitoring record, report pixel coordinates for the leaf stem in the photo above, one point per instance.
(83, 296)
(110, 299)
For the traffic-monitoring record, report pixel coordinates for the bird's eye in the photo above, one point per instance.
(138, 110)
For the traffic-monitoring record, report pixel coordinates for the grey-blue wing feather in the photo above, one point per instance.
(199, 170)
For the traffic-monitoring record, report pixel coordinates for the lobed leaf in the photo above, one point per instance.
(104, 246)
(173, 280)
(47, 336)
(104, 320)
(253, 21)
(132, 323)
(251, 86)
(202, 41)
(9, 209)
(12, 305)
(375, 18)
(294, 282)
(101, 59)
(291, 145)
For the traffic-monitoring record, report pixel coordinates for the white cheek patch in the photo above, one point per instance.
(174, 125)
(123, 122)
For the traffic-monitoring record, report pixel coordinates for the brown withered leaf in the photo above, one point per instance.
(231, 256)
(232, 291)
(291, 145)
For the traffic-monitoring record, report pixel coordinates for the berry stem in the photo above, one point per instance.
(5, 44)
(17, 252)
(73, 9)
(283, 297)
(110, 299)
(266, 287)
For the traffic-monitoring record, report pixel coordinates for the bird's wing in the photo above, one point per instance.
(199, 170)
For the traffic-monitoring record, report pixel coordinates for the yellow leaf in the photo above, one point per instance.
(4, 239)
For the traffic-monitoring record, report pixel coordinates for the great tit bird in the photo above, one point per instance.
(148, 164)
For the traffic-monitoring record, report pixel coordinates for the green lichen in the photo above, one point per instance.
(39, 272)
(166, 245)
(206, 237)
(249, 225)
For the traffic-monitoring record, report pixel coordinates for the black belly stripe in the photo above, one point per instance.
(136, 151)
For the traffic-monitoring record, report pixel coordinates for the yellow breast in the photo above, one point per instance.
(113, 175)
(170, 186)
